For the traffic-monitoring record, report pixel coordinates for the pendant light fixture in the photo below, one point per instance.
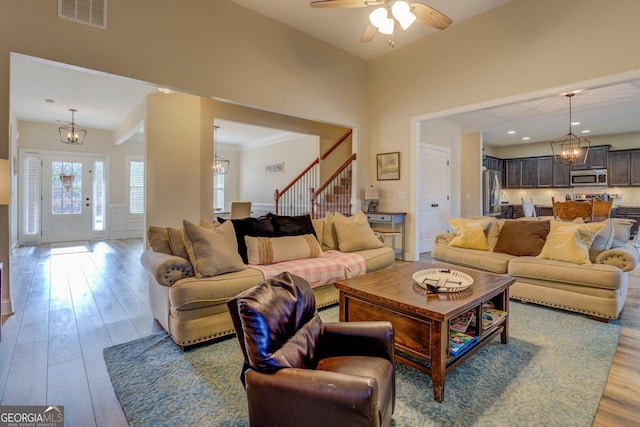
(570, 148)
(71, 133)
(220, 164)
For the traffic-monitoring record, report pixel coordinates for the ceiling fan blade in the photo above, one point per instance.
(331, 4)
(369, 33)
(429, 16)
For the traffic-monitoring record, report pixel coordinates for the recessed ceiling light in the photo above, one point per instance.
(526, 138)
(511, 132)
(165, 90)
(585, 131)
(575, 123)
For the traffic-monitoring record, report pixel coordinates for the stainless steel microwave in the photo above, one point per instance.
(588, 177)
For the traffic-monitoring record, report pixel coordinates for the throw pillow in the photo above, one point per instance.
(602, 241)
(212, 252)
(159, 239)
(268, 250)
(329, 235)
(470, 236)
(621, 231)
(297, 225)
(492, 228)
(256, 227)
(467, 231)
(570, 242)
(354, 233)
(318, 225)
(522, 238)
(176, 242)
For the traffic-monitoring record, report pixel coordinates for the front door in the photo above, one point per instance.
(434, 194)
(66, 198)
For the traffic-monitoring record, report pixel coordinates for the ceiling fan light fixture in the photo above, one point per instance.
(402, 12)
(378, 17)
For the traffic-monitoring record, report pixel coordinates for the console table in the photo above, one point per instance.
(390, 224)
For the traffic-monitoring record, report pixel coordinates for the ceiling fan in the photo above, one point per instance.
(384, 17)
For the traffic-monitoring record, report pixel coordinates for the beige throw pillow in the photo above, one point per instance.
(329, 236)
(159, 239)
(570, 242)
(212, 252)
(268, 250)
(176, 241)
(354, 233)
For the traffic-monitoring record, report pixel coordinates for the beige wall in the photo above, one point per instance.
(523, 47)
(211, 48)
(471, 175)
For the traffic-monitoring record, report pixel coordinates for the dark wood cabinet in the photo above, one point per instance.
(512, 173)
(596, 159)
(634, 169)
(544, 172)
(492, 163)
(561, 174)
(618, 174)
(528, 173)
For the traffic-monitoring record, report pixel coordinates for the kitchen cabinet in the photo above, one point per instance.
(528, 173)
(624, 168)
(561, 174)
(512, 173)
(619, 169)
(596, 159)
(492, 163)
(544, 172)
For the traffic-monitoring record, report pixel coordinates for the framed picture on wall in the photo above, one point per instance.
(388, 166)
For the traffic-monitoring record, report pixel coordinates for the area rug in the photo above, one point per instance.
(552, 372)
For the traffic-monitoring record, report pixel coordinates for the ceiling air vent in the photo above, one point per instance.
(90, 12)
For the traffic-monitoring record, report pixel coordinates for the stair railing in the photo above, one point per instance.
(295, 198)
(335, 194)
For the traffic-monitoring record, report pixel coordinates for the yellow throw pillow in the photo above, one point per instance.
(354, 233)
(570, 242)
(212, 252)
(470, 235)
(269, 250)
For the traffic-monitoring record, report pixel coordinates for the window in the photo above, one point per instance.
(66, 188)
(218, 191)
(98, 196)
(31, 194)
(136, 187)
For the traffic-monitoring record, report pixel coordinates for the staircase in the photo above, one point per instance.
(305, 194)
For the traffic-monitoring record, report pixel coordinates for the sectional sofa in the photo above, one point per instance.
(577, 267)
(194, 270)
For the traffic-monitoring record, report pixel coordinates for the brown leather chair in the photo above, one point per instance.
(572, 209)
(299, 371)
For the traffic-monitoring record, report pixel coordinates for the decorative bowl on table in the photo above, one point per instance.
(437, 280)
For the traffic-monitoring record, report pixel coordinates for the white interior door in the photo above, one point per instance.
(66, 198)
(434, 194)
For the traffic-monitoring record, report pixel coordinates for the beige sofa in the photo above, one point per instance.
(191, 307)
(596, 287)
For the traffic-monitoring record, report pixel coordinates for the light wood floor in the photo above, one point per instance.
(69, 307)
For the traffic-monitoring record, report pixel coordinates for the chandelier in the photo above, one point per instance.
(220, 164)
(570, 148)
(71, 133)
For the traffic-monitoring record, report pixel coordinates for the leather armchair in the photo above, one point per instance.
(299, 371)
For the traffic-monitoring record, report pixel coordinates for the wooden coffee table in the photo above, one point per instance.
(421, 321)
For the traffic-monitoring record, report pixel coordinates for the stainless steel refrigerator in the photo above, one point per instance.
(491, 190)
